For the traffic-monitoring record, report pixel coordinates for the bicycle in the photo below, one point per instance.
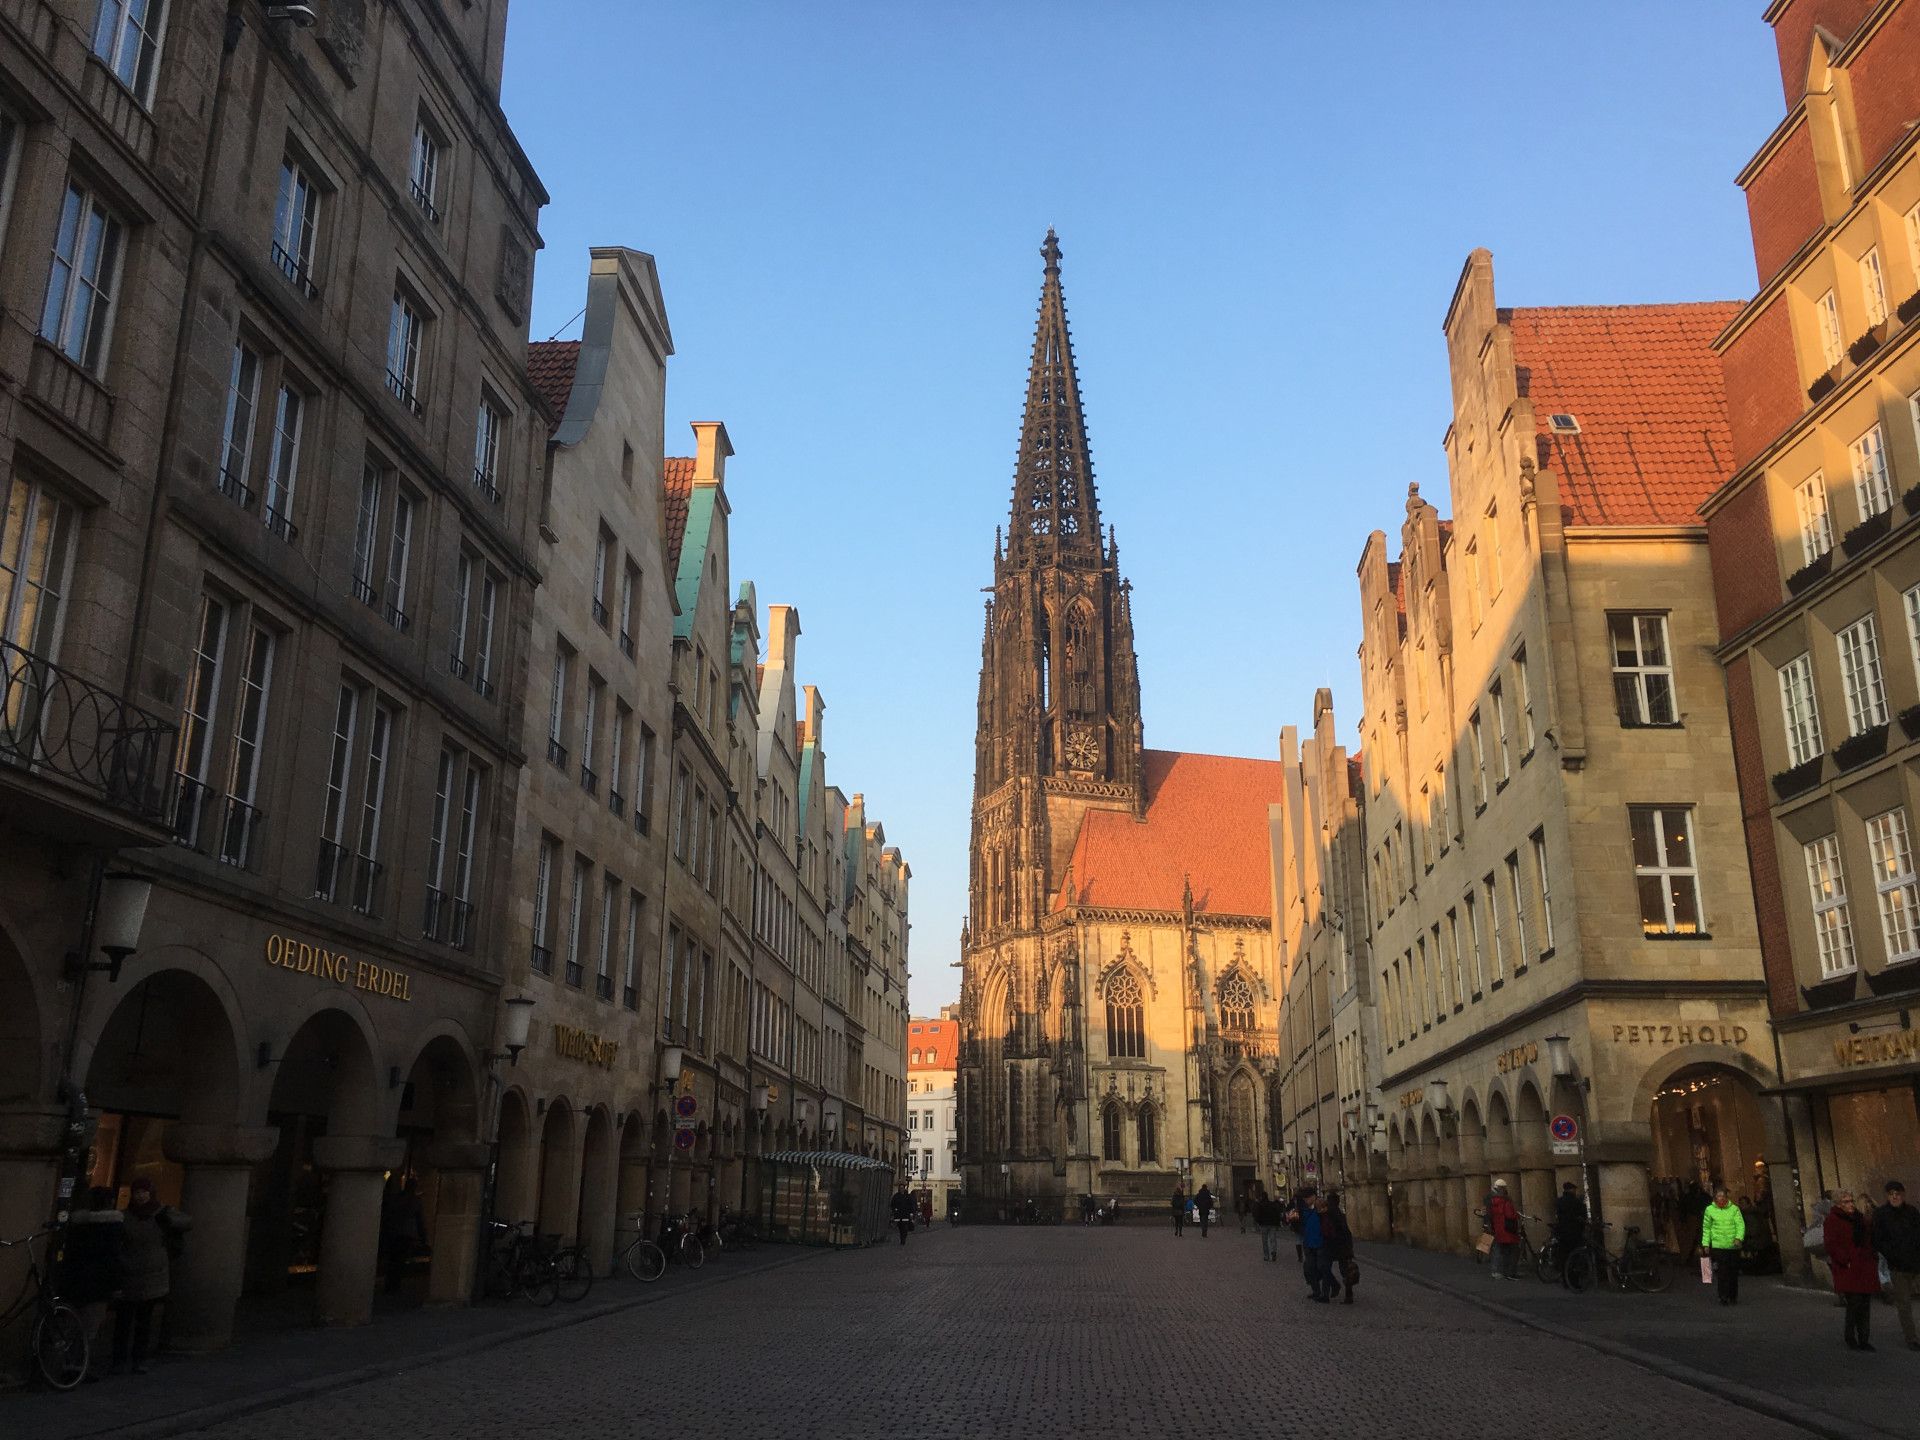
(1641, 1264)
(645, 1260)
(572, 1272)
(520, 1263)
(679, 1243)
(61, 1345)
(737, 1231)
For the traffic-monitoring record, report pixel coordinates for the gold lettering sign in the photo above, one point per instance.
(585, 1046)
(336, 967)
(1886, 1049)
(1679, 1034)
(1520, 1055)
(1413, 1098)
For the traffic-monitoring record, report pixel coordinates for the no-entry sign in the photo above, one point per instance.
(1565, 1127)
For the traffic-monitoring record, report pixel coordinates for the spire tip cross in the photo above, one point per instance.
(1050, 252)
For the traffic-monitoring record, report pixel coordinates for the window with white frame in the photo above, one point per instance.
(296, 225)
(1873, 285)
(77, 319)
(236, 434)
(399, 561)
(1890, 846)
(589, 734)
(576, 917)
(1476, 594)
(1664, 869)
(10, 132)
(126, 37)
(629, 607)
(406, 336)
(1496, 930)
(425, 166)
(193, 752)
(333, 815)
(617, 754)
(549, 858)
(1827, 309)
(1816, 527)
(1477, 735)
(283, 461)
(366, 530)
(1540, 876)
(439, 835)
(1498, 696)
(1517, 901)
(373, 796)
(609, 899)
(464, 848)
(1872, 484)
(602, 553)
(1832, 927)
(1800, 710)
(630, 958)
(1866, 692)
(557, 709)
(1913, 238)
(1642, 669)
(1496, 560)
(488, 427)
(1523, 698)
(1910, 603)
(241, 822)
(1473, 937)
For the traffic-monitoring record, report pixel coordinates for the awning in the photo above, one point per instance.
(827, 1159)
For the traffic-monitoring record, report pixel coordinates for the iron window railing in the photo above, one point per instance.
(447, 919)
(291, 267)
(574, 973)
(603, 986)
(542, 960)
(57, 724)
(240, 833)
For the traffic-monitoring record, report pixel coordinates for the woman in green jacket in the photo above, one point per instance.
(1723, 1229)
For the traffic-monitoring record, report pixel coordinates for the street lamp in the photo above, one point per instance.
(1437, 1093)
(519, 1018)
(672, 1059)
(1560, 1056)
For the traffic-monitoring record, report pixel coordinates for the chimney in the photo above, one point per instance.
(711, 451)
(783, 622)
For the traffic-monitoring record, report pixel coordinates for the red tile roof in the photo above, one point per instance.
(1206, 824)
(550, 366)
(937, 1042)
(1647, 393)
(676, 482)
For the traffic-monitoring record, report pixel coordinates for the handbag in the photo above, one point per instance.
(1706, 1269)
(1350, 1272)
(1484, 1243)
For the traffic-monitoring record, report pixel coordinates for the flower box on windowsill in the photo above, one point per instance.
(1822, 386)
(1866, 532)
(1912, 500)
(1795, 779)
(1869, 744)
(1910, 721)
(1867, 343)
(1817, 568)
(1909, 308)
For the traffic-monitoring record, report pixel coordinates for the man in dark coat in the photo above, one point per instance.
(1896, 1237)
(93, 1264)
(1569, 1222)
(1203, 1207)
(903, 1211)
(1179, 1211)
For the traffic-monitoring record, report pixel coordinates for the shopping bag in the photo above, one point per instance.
(1484, 1243)
(1706, 1269)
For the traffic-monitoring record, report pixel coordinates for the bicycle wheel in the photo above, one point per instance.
(646, 1261)
(540, 1282)
(1582, 1269)
(1647, 1270)
(60, 1346)
(573, 1273)
(691, 1252)
(1546, 1266)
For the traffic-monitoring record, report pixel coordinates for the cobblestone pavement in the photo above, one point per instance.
(1031, 1334)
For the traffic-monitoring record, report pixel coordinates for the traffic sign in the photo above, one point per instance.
(683, 1140)
(1565, 1127)
(1566, 1147)
(686, 1107)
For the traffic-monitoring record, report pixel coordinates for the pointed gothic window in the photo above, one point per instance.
(1236, 1003)
(1079, 660)
(1149, 1141)
(1126, 1030)
(1044, 660)
(1111, 1129)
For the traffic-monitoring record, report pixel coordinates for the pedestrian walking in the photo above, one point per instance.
(1269, 1213)
(1856, 1272)
(1723, 1230)
(1505, 1223)
(903, 1211)
(1203, 1207)
(1179, 1211)
(1896, 1236)
(93, 1265)
(1569, 1222)
(151, 1234)
(1086, 1208)
(1243, 1207)
(926, 1210)
(1343, 1270)
(1313, 1252)
(1302, 1202)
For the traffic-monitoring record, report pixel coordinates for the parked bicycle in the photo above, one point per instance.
(1640, 1265)
(520, 1263)
(60, 1343)
(644, 1260)
(737, 1231)
(572, 1272)
(680, 1243)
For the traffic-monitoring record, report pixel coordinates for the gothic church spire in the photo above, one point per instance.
(1054, 505)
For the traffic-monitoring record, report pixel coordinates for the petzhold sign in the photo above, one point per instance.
(585, 1045)
(1884, 1049)
(1679, 1034)
(338, 967)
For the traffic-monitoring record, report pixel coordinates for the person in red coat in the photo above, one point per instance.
(1856, 1272)
(1505, 1220)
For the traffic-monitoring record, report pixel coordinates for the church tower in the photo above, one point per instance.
(1058, 734)
(1058, 727)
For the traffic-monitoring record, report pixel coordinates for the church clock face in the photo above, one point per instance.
(1082, 749)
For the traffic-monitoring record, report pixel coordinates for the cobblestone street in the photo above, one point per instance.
(1037, 1333)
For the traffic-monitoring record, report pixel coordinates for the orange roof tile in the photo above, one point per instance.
(1206, 824)
(550, 366)
(937, 1042)
(676, 481)
(1647, 393)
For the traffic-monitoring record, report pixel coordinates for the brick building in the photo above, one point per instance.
(1816, 564)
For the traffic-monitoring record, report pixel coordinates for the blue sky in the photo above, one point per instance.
(1264, 208)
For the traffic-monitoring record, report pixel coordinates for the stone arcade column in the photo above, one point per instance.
(356, 1167)
(219, 1161)
(461, 1166)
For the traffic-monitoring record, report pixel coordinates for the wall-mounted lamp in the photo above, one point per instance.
(761, 1095)
(1438, 1097)
(1352, 1119)
(1560, 1056)
(119, 910)
(518, 1017)
(672, 1059)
